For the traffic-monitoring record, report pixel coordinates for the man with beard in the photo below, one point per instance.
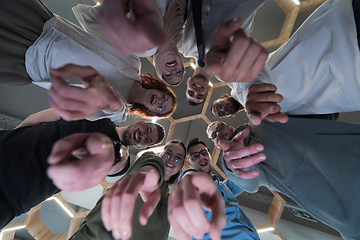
(35, 164)
(302, 159)
(238, 225)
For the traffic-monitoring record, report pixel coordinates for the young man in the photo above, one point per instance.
(30, 174)
(238, 225)
(226, 106)
(197, 87)
(302, 162)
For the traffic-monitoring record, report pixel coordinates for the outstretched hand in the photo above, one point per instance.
(128, 36)
(118, 205)
(262, 103)
(239, 60)
(98, 156)
(190, 195)
(237, 156)
(74, 103)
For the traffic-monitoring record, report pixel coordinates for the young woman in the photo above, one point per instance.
(34, 41)
(136, 206)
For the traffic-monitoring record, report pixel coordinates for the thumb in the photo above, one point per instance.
(63, 148)
(226, 30)
(240, 136)
(150, 184)
(74, 70)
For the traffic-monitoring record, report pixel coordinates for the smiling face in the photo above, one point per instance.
(223, 107)
(140, 134)
(158, 101)
(173, 157)
(197, 89)
(173, 68)
(220, 131)
(199, 158)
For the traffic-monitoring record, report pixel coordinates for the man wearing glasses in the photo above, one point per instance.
(238, 225)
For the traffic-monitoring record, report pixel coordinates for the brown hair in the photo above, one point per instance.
(174, 177)
(150, 82)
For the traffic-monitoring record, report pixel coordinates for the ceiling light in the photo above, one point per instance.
(10, 229)
(296, 2)
(154, 119)
(266, 230)
(210, 84)
(193, 65)
(61, 205)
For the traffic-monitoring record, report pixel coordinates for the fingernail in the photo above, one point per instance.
(125, 233)
(262, 157)
(260, 147)
(49, 99)
(117, 234)
(232, 22)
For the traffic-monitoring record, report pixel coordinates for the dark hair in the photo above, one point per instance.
(193, 142)
(174, 177)
(236, 104)
(150, 82)
(161, 131)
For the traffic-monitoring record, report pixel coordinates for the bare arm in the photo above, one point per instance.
(39, 118)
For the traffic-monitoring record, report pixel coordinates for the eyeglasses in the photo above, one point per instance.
(169, 154)
(196, 155)
(218, 129)
(223, 113)
(179, 73)
(163, 99)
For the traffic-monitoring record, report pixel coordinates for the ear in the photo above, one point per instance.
(230, 115)
(140, 122)
(224, 95)
(232, 128)
(187, 81)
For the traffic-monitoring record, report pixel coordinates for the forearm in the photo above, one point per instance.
(39, 118)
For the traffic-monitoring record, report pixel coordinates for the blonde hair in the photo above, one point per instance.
(173, 25)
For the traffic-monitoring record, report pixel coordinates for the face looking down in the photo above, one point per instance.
(199, 158)
(197, 89)
(220, 131)
(141, 134)
(173, 68)
(173, 157)
(158, 101)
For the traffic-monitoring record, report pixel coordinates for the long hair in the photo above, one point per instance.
(174, 177)
(173, 25)
(150, 82)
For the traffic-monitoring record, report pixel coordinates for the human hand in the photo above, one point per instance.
(118, 205)
(74, 103)
(239, 60)
(87, 172)
(185, 207)
(235, 155)
(127, 36)
(262, 103)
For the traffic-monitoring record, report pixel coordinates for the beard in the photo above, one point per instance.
(126, 137)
